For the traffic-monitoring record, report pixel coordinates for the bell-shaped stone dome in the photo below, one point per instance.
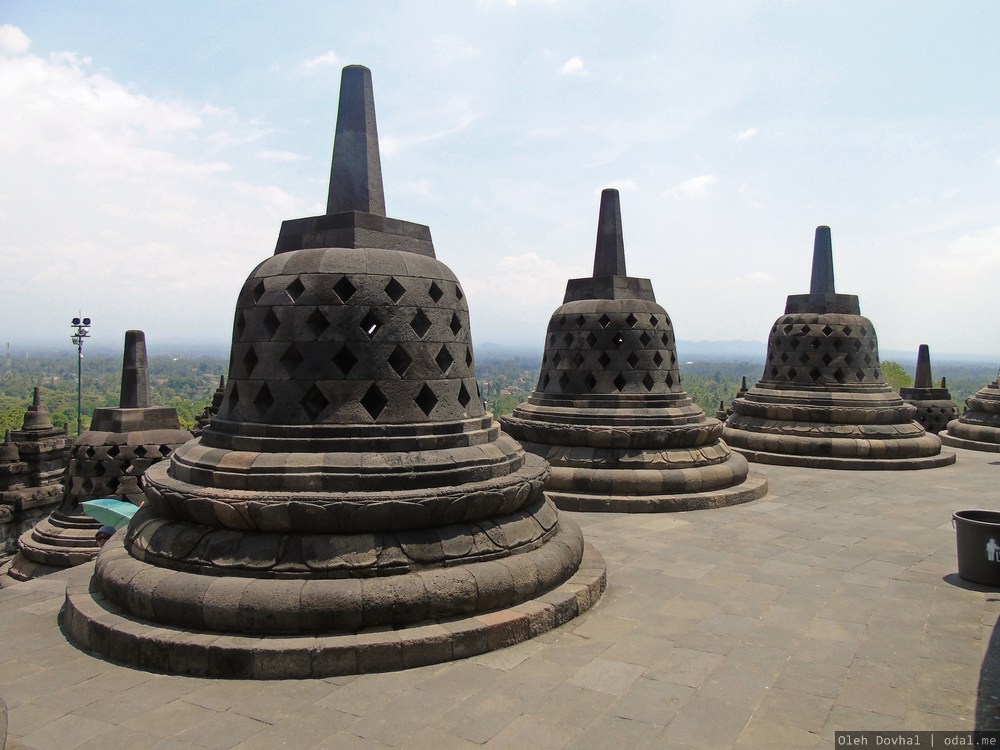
(935, 407)
(351, 478)
(609, 412)
(822, 401)
(978, 428)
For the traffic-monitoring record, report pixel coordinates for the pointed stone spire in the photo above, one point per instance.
(609, 259)
(356, 172)
(37, 416)
(922, 378)
(822, 265)
(135, 372)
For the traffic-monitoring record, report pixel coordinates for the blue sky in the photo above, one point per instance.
(151, 150)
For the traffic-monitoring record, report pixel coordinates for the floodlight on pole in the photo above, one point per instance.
(82, 331)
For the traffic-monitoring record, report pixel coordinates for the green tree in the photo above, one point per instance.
(895, 376)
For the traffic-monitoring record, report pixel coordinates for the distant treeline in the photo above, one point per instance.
(187, 383)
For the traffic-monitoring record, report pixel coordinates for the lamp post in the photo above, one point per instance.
(82, 332)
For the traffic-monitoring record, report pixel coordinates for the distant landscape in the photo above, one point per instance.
(711, 373)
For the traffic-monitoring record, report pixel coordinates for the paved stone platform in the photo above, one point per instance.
(833, 603)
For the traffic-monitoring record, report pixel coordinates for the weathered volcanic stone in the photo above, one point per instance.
(821, 400)
(351, 479)
(609, 412)
(935, 407)
(106, 461)
(978, 428)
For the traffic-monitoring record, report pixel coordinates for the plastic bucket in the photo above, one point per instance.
(977, 537)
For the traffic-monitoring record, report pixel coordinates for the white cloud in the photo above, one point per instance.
(456, 111)
(573, 67)
(327, 59)
(695, 187)
(279, 156)
(746, 135)
(13, 40)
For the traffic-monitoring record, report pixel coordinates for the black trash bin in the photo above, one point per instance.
(977, 537)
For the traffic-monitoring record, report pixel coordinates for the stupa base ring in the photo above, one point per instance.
(96, 624)
(850, 464)
(972, 445)
(753, 488)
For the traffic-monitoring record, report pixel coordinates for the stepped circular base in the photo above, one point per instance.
(59, 541)
(972, 445)
(944, 458)
(753, 488)
(96, 624)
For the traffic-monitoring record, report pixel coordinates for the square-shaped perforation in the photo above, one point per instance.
(345, 359)
(344, 289)
(395, 290)
(426, 400)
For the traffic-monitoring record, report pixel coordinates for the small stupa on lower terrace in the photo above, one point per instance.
(107, 460)
(822, 401)
(978, 428)
(935, 407)
(609, 412)
(351, 507)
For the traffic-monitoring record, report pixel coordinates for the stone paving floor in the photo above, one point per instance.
(830, 604)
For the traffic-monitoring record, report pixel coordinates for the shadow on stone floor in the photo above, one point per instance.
(988, 695)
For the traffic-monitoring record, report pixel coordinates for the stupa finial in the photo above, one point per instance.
(356, 172)
(135, 372)
(822, 267)
(922, 378)
(609, 259)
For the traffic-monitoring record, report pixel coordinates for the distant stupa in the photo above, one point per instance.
(821, 401)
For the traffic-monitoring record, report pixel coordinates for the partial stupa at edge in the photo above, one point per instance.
(351, 481)
(821, 401)
(935, 407)
(978, 429)
(107, 460)
(609, 412)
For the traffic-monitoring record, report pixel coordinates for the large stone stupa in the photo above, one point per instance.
(352, 507)
(105, 461)
(821, 401)
(609, 412)
(978, 428)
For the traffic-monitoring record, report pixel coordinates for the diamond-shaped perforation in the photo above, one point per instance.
(590, 382)
(456, 324)
(345, 359)
(826, 330)
(848, 330)
(792, 372)
(657, 359)
(140, 451)
(371, 324)
(793, 344)
(604, 321)
(258, 292)
(444, 360)
(234, 397)
(435, 292)
(815, 344)
(250, 360)
(420, 324)
(604, 360)
(618, 340)
(556, 359)
(632, 360)
(400, 360)
(619, 382)
(395, 290)
(631, 320)
(838, 344)
(317, 322)
(561, 322)
(241, 325)
(563, 380)
(840, 376)
(459, 294)
(568, 338)
(804, 357)
(314, 402)
(463, 396)
(653, 320)
(815, 374)
(644, 339)
(468, 357)
(648, 382)
(669, 380)
(290, 360)
(295, 289)
(263, 400)
(665, 338)
(827, 359)
(580, 320)
(860, 375)
(578, 360)
(591, 339)
(344, 289)
(545, 381)
(426, 400)
(374, 401)
(271, 323)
